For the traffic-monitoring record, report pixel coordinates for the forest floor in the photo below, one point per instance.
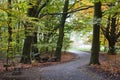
(66, 57)
(7, 75)
(109, 68)
(73, 68)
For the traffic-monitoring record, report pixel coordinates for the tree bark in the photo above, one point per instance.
(26, 59)
(112, 37)
(34, 48)
(9, 33)
(9, 25)
(61, 31)
(111, 50)
(96, 34)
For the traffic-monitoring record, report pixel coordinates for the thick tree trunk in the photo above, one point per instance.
(96, 33)
(61, 31)
(111, 50)
(26, 58)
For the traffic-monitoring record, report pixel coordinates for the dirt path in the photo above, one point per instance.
(66, 71)
(70, 70)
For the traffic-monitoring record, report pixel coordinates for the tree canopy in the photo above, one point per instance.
(30, 27)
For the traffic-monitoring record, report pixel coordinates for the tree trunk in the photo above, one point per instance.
(61, 31)
(111, 32)
(96, 34)
(28, 40)
(34, 48)
(111, 50)
(33, 11)
(112, 38)
(9, 34)
(9, 26)
(26, 59)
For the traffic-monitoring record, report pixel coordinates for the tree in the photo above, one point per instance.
(111, 31)
(9, 33)
(96, 34)
(31, 36)
(61, 31)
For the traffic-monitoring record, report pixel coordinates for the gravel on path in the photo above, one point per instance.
(70, 71)
(73, 70)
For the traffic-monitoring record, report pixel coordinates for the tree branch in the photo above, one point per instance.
(41, 7)
(69, 12)
(80, 9)
(72, 5)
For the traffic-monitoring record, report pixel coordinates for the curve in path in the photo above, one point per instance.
(68, 71)
(72, 70)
